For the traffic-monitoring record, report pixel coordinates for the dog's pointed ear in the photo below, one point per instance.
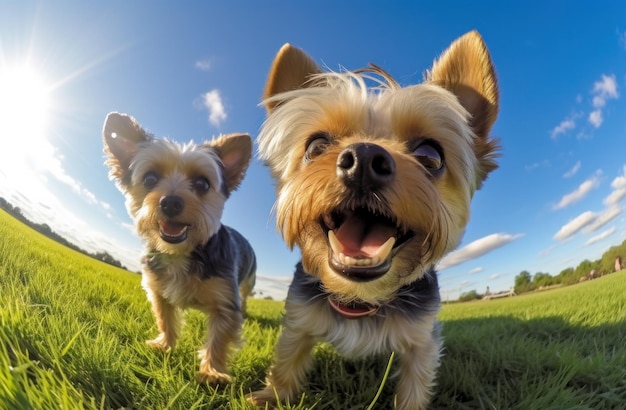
(291, 70)
(121, 134)
(466, 70)
(235, 151)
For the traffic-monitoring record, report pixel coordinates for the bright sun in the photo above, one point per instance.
(23, 112)
(25, 152)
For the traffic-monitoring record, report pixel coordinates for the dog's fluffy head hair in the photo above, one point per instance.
(427, 147)
(174, 193)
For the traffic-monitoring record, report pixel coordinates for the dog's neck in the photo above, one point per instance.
(424, 292)
(214, 253)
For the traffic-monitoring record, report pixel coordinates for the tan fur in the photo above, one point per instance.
(454, 108)
(290, 71)
(235, 152)
(467, 71)
(172, 278)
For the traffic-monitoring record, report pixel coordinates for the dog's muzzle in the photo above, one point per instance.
(170, 230)
(362, 236)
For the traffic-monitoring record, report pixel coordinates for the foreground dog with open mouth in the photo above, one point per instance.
(176, 195)
(373, 185)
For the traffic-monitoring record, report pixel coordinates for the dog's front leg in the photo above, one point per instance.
(167, 319)
(224, 331)
(416, 375)
(292, 361)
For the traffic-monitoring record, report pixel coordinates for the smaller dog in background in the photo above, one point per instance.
(175, 195)
(374, 185)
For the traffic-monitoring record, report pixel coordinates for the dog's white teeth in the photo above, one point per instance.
(350, 261)
(335, 245)
(383, 252)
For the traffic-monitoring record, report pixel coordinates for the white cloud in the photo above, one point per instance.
(535, 165)
(603, 90)
(600, 236)
(273, 286)
(572, 171)
(213, 102)
(615, 196)
(580, 192)
(563, 127)
(603, 218)
(595, 118)
(477, 248)
(203, 65)
(494, 276)
(547, 251)
(130, 227)
(476, 270)
(39, 161)
(619, 190)
(598, 102)
(575, 225)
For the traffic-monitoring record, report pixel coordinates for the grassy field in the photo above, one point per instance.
(72, 334)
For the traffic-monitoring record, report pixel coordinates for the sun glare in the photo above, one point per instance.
(23, 111)
(23, 103)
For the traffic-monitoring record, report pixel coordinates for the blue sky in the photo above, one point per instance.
(198, 70)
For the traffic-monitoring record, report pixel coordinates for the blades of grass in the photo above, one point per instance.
(69, 344)
(171, 402)
(383, 381)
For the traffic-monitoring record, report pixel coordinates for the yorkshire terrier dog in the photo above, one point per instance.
(175, 195)
(374, 183)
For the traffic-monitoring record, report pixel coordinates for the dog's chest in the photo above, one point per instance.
(362, 337)
(180, 284)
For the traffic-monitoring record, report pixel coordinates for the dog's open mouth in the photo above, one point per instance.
(362, 243)
(173, 232)
(353, 310)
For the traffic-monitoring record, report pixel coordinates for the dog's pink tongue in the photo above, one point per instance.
(359, 239)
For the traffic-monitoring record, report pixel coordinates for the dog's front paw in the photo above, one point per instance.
(262, 397)
(160, 343)
(213, 377)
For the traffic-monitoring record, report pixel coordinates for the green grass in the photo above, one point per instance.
(72, 334)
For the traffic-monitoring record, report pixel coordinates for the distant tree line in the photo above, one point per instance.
(525, 282)
(586, 270)
(45, 229)
(468, 296)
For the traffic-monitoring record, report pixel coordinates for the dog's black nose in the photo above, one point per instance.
(171, 205)
(365, 167)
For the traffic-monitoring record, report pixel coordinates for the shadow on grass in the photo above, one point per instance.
(505, 362)
(492, 363)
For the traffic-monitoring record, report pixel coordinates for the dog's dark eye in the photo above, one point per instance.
(430, 155)
(150, 180)
(201, 185)
(316, 145)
